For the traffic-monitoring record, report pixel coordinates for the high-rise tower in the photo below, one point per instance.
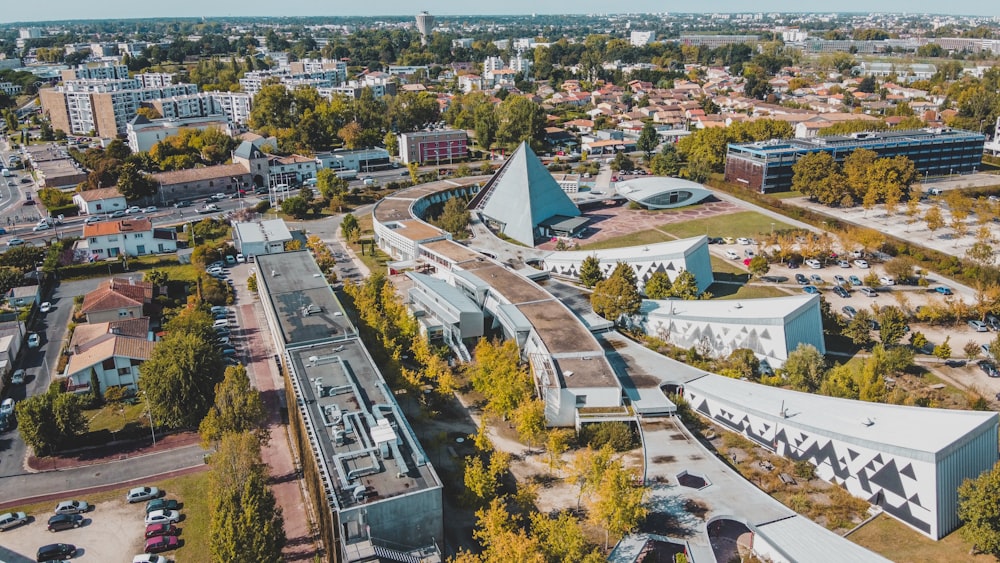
(425, 24)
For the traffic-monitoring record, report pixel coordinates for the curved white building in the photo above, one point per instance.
(662, 192)
(908, 460)
(771, 327)
(671, 257)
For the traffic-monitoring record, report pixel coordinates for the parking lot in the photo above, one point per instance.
(112, 531)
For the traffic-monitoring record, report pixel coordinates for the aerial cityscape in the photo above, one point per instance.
(424, 287)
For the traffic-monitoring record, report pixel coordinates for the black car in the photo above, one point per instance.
(55, 551)
(989, 368)
(802, 280)
(793, 265)
(955, 363)
(162, 504)
(181, 204)
(64, 522)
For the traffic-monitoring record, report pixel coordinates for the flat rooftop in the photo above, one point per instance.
(416, 230)
(916, 432)
(396, 207)
(914, 136)
(766, 310)
(307, 309)
(452, 250)
(367, 447)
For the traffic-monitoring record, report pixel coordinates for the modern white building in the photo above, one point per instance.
(362, 160)
(771, 327)
(909, 461)
(234, 105)
(662, 192)
(446, 315)
(670, 257)
(641, 38)
(261, 237)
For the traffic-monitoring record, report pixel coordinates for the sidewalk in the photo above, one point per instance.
(109, 453)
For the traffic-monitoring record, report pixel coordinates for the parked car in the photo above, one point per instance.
(748, 253)
(15, 242)
(163, 529)
(814, 264)
(793, 265)
(220, 323)
(55, 552)
(34, 341)
(843, 263)
(732, 255)
(863, 264)
(117, 214)
(149, 558)
(45, 307)
(12, 520)
(989, 368)
(217, 264)
(160, 544)
(91, 220)
(811, 289)
(163, 517)
(241, 259)
(230, 260)
(150, 209)
(868, 291)
(7, 407)
(140, 494)
(801, 279)
(955, 363)
(886, 280)
(855, 280)
(217, 197)
(216, 309)
(816, 278)
(162, 504)
(993, 322)
(743, 241)
(41, 227)
(17, 378)
(839, 290)
(215, 270)
(849, 312)
(65, 522)
(182, 204)
(729, 240)
(132, 210)
(978, 326)
(943, 290)
(210, 208)
(228, 351)
(839, 279)
(72, 507)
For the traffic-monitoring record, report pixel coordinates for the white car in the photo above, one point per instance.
(241, 259)
(18, 377)
(45, 307)
(12, 520)
(743, 241)
(863, 264)
(150, 558)
(72, 507)
(140, 494)
(163, 517)
(886, 280)
(150, 209)
(220, 323)
(34, 341)
(91, 220)
(41, 227)
(814, 264)
(732, 255)
(133, 209)
(7, 406)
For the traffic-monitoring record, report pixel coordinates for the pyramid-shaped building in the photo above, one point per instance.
(523, 201)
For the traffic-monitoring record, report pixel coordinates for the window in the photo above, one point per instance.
(124, 371)
(108, 364)
(581, 400)
(93, 240)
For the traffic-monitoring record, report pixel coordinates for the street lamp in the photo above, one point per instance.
(149, 410)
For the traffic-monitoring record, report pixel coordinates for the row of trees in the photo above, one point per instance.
(619, 296)
(515, 119)
(704, 151)
(863, 178)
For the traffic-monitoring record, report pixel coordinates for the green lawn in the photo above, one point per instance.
(890, 538)
(114, 417)
(742, 224)
(785, 195)
(725, 291)
(638, 238)
(720, 266)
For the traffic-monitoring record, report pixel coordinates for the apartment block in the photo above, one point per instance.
(433, 146)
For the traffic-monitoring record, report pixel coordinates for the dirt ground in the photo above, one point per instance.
(113, 531)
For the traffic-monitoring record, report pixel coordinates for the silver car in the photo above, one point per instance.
(12, 520)
(72, 507)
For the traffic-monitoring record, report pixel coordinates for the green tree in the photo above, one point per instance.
(622, 163)
(246, 523)
(933, 218)
(454, 218)
(979, 510)
(804, 369)
(238, 408)
(529, 420)
(618, 295)
(685, 286)
(562, 540)
(856, 172)
(667, 162)
(519, 119)
(497, 374)
(818, 176)
(391, 143)
(620, 504)
(858, 329)
(744, 363)
(943, 350)
(349, 227)
(296, 206)
(50, 421)
(133, 184)
(648, 140)
(179, 378)
(590, 271)
(892, 326)
(759, 266)
(658, 286)
(330, 185)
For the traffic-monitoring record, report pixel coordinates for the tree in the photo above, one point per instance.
(529, 420)
(246, 522)
(934, 219)
(519, 119)
(351, 134)
(658, 286)
(561, 539)
(497, 374)
(667, 162)
(133, 184)
(590, 271)
(454, 218)
(180, 376)
(856, 171)
(296, 206)
(391, 143)
(648, 140)
(49, 421)
(685, 286)
(892, 326)
(943, 350)
(979, 510)
(804, 369)
(759, 266)
(617, 296)
(622, 163)
(620, 504)
(900, 268)
(238, 408)
(349, 227)
(858, 329)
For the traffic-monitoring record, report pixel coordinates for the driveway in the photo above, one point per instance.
(39, 364)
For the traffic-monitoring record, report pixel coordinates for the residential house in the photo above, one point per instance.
(100, 201)
(108, 353)
(131, 237)
(24, 295)
(194, 183)
(117, 299)
(292, 170)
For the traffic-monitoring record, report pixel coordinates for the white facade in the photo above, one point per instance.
(110, 239)
(641, 38)
(361, 160)
(97, 202)
(771, 327)
(671, 257)
(908, 460)
(262, 237)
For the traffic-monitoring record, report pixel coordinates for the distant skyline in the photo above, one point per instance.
(49, 10)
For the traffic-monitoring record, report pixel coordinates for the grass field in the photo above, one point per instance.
(651, 236)
(725, 291)
(741, 224)
(888, 537)
(721, 266)
(113, 418)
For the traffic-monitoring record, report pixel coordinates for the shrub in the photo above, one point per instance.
(804, 469)
(618, 435)
(262, 206)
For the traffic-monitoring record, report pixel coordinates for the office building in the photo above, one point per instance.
(433, 147)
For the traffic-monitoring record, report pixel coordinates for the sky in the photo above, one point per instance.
(21, 11)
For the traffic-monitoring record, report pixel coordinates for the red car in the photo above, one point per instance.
(162, 543)
(162, 529)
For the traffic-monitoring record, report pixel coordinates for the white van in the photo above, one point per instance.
(6, 173)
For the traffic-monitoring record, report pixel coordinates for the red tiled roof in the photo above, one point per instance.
(99, 194)
(117, 227)
(104, 299)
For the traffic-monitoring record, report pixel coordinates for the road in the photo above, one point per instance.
(38, 364)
